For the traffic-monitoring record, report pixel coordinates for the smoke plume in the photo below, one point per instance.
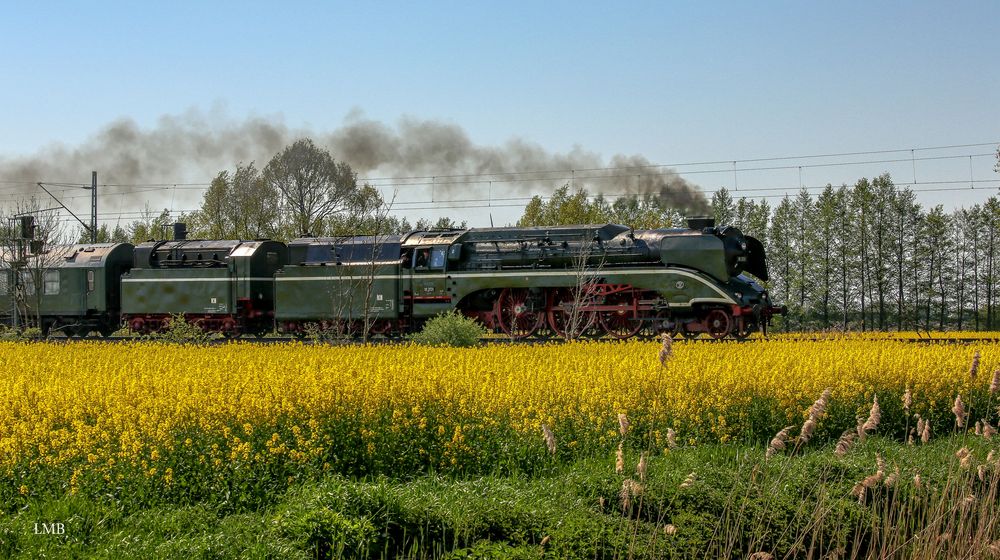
(194, 146)
(444, 151)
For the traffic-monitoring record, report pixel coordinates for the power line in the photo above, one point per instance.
(518, 202)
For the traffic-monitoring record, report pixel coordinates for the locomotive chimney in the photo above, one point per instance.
(180, 231)
(700, 222)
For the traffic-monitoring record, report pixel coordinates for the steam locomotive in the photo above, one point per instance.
(564, 281)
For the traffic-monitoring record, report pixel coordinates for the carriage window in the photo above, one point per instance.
(437, 258)
(3, 283)
(28, 282)
(50, 284)
(90, 280)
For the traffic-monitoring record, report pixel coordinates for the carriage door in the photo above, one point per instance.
(429, 283)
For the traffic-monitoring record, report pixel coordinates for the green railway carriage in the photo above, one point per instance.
(221, 285)
(591, 280)
(340, 283)
(70, 288)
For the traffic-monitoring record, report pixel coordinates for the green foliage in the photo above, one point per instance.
(238, 205)
(738, 502)
(318, 332)
(450, 329)
(181, 332)
(312, 182)
(566, 208)
(20, 335)
(125, 332)
(326, 533)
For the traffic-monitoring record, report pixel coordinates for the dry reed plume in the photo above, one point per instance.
(844, 443)
(689, 481)
(630, 489)
(874, 417)
(815, 413)
(667, 349)
(974, 368)
(671, 438)
(958, 409)
(623, 424)
(550, 439)
(778, 442)
(964, 457)
(988, 430)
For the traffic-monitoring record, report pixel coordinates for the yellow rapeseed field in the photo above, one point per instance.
(153, 420)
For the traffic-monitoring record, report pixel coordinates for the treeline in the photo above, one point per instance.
(866, 256)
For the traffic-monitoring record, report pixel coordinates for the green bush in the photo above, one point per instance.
(181, 332)
(450, 329)
(14, 335)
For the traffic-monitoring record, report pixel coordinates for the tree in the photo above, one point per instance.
(313, 185)
(936, 248)
(884, 198)
(441, 223)
(803, 247)
(562, 208)
(104, 235)
(150, 226)
(238, 205)
(846, 249)
(722, 207)
(907, 225)
(825, 246)
(365, 215)
(29, 259)
(779, 251)
(991, 258)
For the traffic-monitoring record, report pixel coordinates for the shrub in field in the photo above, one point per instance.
(450, 329)
(25, 334)
(181, 332)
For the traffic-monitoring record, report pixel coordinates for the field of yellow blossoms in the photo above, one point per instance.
(152, 422)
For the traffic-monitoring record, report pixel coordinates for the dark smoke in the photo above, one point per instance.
(188, 148)
(194, 147)
(428, 148)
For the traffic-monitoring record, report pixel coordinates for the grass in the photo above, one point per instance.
(738, 504)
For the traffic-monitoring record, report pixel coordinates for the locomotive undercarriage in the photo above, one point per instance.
(592, 311)
(246, 320)
(610, 310)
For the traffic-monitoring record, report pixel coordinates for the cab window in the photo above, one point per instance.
(437, 258)
(421, 258)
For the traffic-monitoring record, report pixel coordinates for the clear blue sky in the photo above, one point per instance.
(676, 82)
